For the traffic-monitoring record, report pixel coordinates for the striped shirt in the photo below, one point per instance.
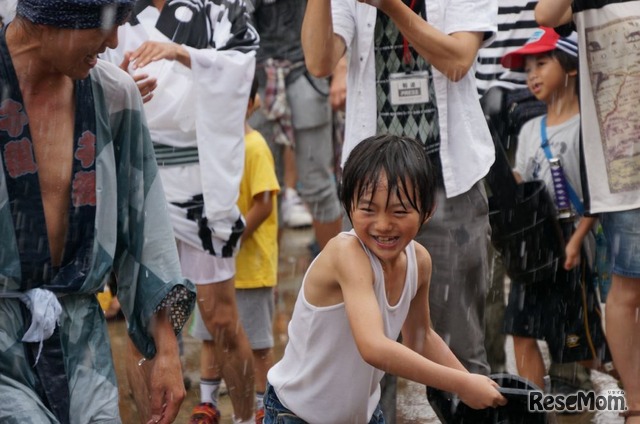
(515, 24)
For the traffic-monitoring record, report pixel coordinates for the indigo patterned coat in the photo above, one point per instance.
(118, 222)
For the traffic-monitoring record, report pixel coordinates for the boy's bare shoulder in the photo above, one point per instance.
(342, 259)
(422, 254)
(423, 258)
(343, 243)
(344, 249)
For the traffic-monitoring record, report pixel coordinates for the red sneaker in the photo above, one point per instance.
(205, 413)
(259, 416)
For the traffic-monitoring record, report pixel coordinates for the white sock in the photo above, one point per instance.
(259, 400)
(209, 391)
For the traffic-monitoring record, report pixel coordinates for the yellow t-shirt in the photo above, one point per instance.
(257, 260)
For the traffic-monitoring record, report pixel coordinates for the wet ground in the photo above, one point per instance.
(294, 259)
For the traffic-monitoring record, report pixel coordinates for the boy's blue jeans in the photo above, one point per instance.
(276, 413)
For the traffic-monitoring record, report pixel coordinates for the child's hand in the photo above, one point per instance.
(479, 392)
(572, 253)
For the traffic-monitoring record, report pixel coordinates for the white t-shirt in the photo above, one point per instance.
(466, 148)
(564, 143)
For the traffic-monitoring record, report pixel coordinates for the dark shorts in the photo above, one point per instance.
(565, 313)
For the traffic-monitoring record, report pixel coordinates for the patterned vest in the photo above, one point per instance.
(419, 121)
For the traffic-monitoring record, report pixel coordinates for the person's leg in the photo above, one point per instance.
(256, 308)
(623, 335)
(232, 353)
(457, 238)
(622, 230)
(263, 360)
(311, 116)
(529, 360)
(216, 302)
(494, 341)
(290, 170)
(210, 379)
(209, 374)
(291, 210)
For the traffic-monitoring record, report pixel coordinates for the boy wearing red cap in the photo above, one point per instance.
(548, 150)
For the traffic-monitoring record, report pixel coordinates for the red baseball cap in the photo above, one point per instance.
(542, 40)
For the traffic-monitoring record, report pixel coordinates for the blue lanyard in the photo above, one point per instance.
(560, 182)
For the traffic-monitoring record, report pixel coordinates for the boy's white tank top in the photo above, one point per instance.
(322, 377)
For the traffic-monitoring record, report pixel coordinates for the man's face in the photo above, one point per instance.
(74, 52)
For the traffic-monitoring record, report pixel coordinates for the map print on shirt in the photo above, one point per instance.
(614, 58)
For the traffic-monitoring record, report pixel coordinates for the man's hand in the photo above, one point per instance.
(163, 374)
(145, 84)
(338, 88)
(153, 51)
(166, 388)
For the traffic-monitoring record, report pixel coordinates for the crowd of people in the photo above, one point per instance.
(161, 145)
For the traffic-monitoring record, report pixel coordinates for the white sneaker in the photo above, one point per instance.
(294, 212)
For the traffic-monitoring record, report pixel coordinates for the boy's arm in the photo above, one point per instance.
(322, 48)
(260, 210)
(417, 333)
(574, 245)
(355, 277)
(553, 13)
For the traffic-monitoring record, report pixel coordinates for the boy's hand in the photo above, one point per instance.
(479, 392)
(572, 253)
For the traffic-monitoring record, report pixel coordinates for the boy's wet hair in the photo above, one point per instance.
(405, 164)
